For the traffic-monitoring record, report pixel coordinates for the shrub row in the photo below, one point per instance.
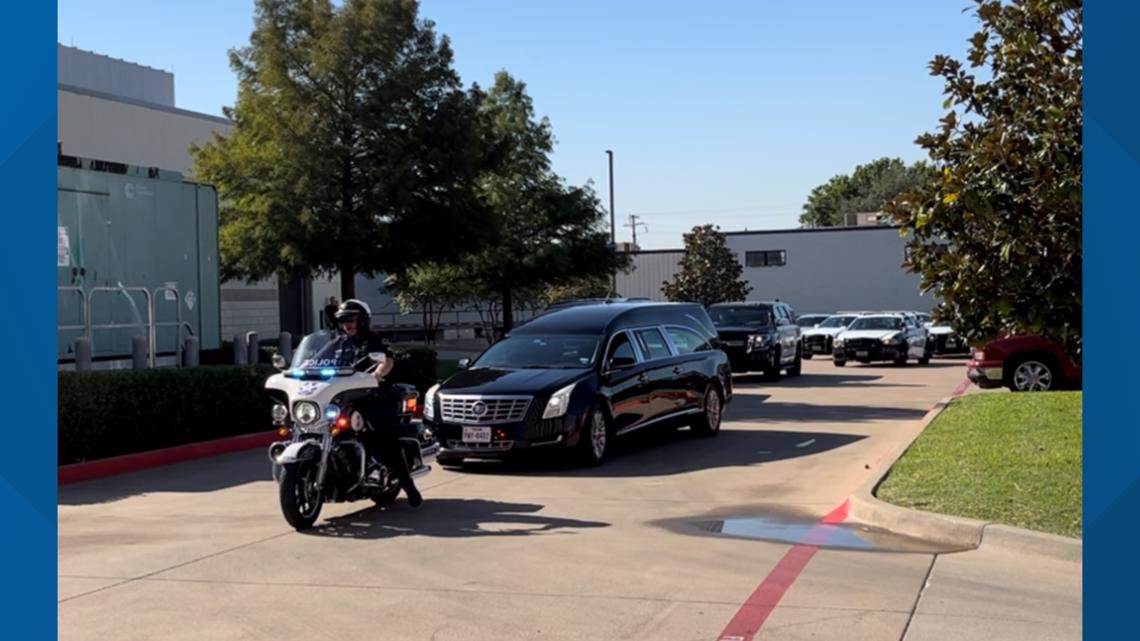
(104, 414)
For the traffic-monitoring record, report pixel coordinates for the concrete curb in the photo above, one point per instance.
(114, 466)
(956, 531)
(1053, 546)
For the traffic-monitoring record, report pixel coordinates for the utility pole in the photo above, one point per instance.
(613, 227)
(634, 224)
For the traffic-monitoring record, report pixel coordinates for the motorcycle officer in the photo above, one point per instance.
(379, 409)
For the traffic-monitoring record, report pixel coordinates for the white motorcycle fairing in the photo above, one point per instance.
(320, 391)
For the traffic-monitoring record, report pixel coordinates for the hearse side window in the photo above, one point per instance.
(653, 343)
(766, 258)
(686, 340)
(621, 348)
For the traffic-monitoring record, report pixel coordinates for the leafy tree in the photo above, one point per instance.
(353, 144)
(432, 288)
(867, 189)
(584, 288)
(996, 232)
(545, 232)
(710, 271)
(824, 204)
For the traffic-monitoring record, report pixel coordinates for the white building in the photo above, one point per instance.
(123, 112)
(814, 270)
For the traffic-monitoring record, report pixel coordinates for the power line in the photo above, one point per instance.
(634, 224)
(788, 210)
(788, 214)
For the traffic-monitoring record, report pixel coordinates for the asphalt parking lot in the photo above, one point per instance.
(674, 538)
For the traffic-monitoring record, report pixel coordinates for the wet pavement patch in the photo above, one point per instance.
(794, 529)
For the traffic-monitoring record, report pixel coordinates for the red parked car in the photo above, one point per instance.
(1023, 364)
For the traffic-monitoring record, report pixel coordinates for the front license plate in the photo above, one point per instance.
(476, 434)
(861, 353)
(817, 348)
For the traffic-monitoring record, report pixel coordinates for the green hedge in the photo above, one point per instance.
(105, 414)
(415, 366)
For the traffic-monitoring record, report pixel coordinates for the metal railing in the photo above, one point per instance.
(85, 320)
(178, 324)
(148, 326)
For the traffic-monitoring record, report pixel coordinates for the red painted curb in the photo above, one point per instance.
(116, 465)
(961, 389)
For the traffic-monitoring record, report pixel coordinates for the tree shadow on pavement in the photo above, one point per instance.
(205, 475)
(666, 452)
(934, 364)
(757, 408)
(838, 379)
(449, 518)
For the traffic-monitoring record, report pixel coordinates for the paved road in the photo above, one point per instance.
(635, 549)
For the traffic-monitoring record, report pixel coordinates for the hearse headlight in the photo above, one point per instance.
(559, 402)
(429, 402)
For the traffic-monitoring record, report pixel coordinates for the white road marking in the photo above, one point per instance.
(806, 443)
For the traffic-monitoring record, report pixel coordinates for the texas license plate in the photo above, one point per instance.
(476, 434)
(861, 353)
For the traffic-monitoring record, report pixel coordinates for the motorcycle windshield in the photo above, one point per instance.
(324, 354)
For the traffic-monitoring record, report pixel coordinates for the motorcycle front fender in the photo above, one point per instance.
(299, 451)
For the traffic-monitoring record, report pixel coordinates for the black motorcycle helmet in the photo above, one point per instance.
(357, 309)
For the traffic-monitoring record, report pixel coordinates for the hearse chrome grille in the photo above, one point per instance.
(483, 410)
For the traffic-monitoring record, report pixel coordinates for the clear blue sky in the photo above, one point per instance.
(724, 111)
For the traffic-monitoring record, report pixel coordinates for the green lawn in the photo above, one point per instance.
(445, 367)
(1002, 457)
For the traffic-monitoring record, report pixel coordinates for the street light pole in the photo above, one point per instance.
(613, 227)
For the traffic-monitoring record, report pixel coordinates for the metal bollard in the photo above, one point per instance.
(83, 354)
(190, 352)
(285, 345)
(253, 354)
(240, 351)
(138, 352)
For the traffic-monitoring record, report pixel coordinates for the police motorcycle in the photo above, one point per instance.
(320, 457)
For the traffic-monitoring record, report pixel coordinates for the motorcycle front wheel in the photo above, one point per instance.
(301, 498)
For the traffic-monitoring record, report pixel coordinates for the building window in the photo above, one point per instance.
(767, 258)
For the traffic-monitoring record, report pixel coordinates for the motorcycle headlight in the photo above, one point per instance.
(306, 412)
(332, 412)
(279, 413)
(429, 402)
(559, 402)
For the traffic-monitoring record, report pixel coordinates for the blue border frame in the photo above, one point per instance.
(28, 460)
(1111, 426)
(1111, 227)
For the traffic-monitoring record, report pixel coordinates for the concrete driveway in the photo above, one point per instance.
(674, 538)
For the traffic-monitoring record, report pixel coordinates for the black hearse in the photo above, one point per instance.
(578, 377)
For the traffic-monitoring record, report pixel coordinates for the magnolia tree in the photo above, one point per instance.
(710, 271)
(995, 232)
